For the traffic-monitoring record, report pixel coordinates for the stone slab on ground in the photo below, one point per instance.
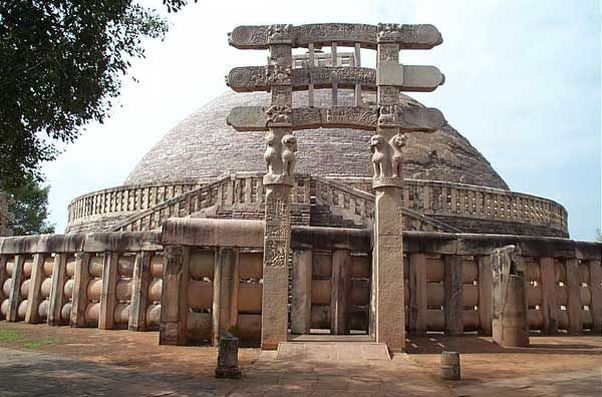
(333, 351)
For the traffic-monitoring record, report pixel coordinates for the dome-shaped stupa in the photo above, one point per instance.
(204, 168)
(203, 147)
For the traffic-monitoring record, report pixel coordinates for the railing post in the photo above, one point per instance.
(57, 296)
(340, 300)
(14, 299)
(595, 285)
(33, 297)
(548, 289)
(81, 278)
(174, 296)
(454, 324)
(418, 304)
(140, 282)
(574, 295)
(301, 304)
(3, 278)
(225, 293)
(107, 295)
(485, 288)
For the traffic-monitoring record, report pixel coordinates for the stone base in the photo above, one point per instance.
(228, 373)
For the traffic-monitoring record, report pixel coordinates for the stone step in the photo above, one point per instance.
(333, 351)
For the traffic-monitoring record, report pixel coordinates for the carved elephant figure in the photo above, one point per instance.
(289, 147)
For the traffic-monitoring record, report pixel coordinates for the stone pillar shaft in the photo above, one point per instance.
(280, 158)
(388, 267)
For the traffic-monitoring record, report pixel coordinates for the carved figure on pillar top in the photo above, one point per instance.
(271, 154)
(389, 33)
(278, 33)
(289, 147)
(380, 157)
(397, 143)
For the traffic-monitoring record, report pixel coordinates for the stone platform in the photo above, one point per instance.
(343, 348)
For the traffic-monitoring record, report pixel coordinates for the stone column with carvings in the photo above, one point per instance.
(386, 144)
(280, 158)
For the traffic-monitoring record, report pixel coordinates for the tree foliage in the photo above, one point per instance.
(28, 206)
(61, 66)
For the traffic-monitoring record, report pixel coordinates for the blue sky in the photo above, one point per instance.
(523, 84)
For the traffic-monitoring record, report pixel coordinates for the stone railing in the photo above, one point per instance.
(241, 192)
(447, 200)
(430, 205)
(103, 280)
(357, 205)
(124, 199)
(122, 280)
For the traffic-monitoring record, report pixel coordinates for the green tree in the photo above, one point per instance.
(28, 206)
(61, 66)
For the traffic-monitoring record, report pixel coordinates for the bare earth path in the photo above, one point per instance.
(37, 360)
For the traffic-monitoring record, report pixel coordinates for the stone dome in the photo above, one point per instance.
(202, 147)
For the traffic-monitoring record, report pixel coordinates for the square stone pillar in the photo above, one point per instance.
(278, 181)
(386, 144)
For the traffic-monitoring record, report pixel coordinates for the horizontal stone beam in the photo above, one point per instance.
(415, 78)
(421, 37)
(408, 118)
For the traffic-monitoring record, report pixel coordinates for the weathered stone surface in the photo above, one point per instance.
(227, 359)
(201, 148)
(407, 36)
(411, 78)
(408, 118)
(509, 295)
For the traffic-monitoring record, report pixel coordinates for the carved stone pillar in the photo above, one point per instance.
(389, 321)
(278, 181)
(510, 326)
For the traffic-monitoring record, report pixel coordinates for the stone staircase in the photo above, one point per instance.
(330, 203)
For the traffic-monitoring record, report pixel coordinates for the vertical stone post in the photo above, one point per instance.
(225, 293)
(485, 287)
(108, 299)
(81, 277)
(454, 323)
(174, 296)
(595, 286)
(280, 158)
(509, 293)
(57, 295)
(340, 302)
(3, 278)
(301, 305)
(418, 305)
(14, 299)
(389, 322)
(574, 291)
(34, 295)
(140, 282)
(549, 306)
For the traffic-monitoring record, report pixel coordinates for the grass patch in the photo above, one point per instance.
(12, 336)
(9, 335)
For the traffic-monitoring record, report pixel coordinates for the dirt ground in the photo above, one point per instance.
(560, 365)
